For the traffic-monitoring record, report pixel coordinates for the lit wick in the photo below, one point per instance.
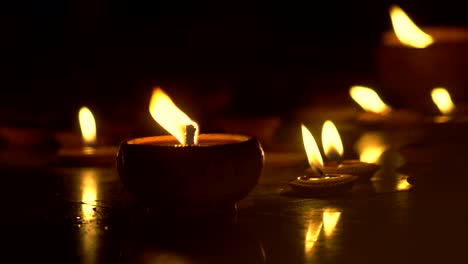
(172, 119)
(190, 132)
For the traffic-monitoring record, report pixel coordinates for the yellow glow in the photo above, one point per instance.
(170, 117)
(88, 126)
(406, 31)
(88, 194)
(312, 151)
(368, 99)
(370, 147)
(330, 220)
(403, 185)
(313, 232)
(331, 140)
(442, 99)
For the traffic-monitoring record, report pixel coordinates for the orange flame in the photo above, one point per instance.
(443, 101)
(406, 31)
(312, 151)
(88, 126)
(331, 141)
(170, 117)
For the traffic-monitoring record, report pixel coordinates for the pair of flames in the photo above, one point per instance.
(370, 101)
(331, 142)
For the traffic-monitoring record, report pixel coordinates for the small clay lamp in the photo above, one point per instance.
(315, 181)
(379, 113)
(186, 173)
(449, 112)
(412, 59)
(89, 153)
(333, 148)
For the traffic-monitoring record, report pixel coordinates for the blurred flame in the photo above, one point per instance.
(170, 117)
(312, 151)
(87, 125)
(368, 99)
(313, 232)
(406, 31)
(331, 140)
(403, 185)
(330, 220)
(442, 99)
(370, 147)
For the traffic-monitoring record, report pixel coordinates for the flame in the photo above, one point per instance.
(406, 31)
(312, 151)
(370, 147)
(331, 141)
(442, 99)
(170, 117)
(88, 126)
(403, 185)
(330, 220)
(368, 99)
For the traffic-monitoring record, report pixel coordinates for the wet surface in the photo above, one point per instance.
(85, 215)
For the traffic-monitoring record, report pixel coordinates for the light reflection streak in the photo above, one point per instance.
(325, 221)
(89, 226)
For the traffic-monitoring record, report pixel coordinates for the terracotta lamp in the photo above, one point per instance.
(411, 61)
(315, 181)
(186, 173)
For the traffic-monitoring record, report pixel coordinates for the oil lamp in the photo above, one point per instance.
(411, 60)
(188, 173)
(376, 112)
(447, 108)
(90, 153)
(333, 148)
(316, 181)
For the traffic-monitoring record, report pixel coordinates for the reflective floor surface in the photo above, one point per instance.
(84, 215)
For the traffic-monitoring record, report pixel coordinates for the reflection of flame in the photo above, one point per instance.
(331, 140)
(313, 232)
(88, 126)
(312, 151)
(442, 99)
(330, 220)
(170, 117)
(368, 99)
(89, 194)
(406, 31)
(370, 147)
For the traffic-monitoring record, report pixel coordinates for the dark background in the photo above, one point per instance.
(234, 58)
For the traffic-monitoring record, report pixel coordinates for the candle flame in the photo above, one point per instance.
(369, 100)
(331, 140)
(88, 126)
(312, 151)
(443, 101)
(170, 117)
(406, 31)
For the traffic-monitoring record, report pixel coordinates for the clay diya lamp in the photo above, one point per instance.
(88, 152)
(379, 114)
(412, 60)
(315, 181)
(186, 173)
(333, 148)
